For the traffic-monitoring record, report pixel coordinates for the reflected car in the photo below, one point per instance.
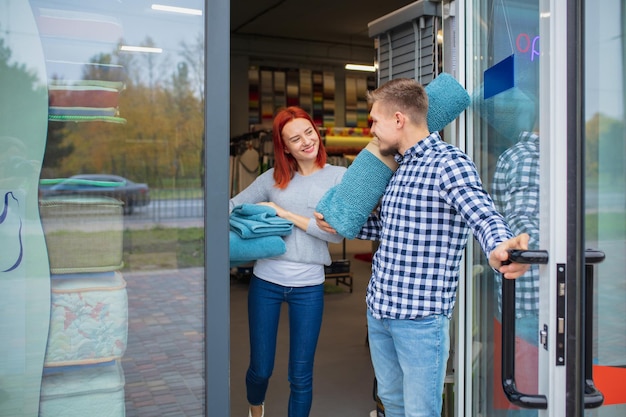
(131, 194)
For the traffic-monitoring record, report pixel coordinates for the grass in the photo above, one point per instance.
(163, 248)
(606, 225)
(174, 194)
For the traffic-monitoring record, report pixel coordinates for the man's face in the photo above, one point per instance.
(384, 127)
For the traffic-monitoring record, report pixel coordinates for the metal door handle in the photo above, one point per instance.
(592, 398)
(536, 401)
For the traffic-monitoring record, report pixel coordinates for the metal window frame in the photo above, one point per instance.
(216, 160)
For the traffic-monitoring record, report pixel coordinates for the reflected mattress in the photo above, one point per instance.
(94, 391)
(88, 319)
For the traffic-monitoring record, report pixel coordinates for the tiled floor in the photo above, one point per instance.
(163, 364)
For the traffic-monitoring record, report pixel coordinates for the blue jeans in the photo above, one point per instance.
(306, 305)
(409, 358)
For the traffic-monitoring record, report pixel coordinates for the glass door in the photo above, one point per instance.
(546, 130)
(503, 129)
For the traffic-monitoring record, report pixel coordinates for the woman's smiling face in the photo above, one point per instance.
(301, 140)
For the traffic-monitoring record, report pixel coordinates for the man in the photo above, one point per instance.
(431, 202)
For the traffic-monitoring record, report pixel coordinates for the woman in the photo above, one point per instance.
(293, 187)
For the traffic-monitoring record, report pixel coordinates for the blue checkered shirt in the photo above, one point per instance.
(515, 192)
(431, 203)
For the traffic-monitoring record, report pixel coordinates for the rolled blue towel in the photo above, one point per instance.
(255, 220)
(247, 250)
(446, 101)
(347, 205)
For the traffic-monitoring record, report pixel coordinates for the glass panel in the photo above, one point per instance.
(605, 193)
(505, 137)
(101, 265)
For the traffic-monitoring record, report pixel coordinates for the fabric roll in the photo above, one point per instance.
(347, 205)
(79, 119)
(446, 101)
(83, 96)
(83, 111)
(347, 141)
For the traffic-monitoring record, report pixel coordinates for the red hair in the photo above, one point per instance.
(285, 165)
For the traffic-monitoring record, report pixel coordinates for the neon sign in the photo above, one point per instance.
(525, 45)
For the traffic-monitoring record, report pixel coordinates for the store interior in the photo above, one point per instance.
(276, 40)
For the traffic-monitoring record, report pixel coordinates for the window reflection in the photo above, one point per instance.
(103, 290)
(506, 140)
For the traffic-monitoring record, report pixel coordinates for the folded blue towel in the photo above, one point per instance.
(255, 220)
(346, 206)
(247, 250)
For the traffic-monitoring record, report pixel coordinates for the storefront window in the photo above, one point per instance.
(102, 230)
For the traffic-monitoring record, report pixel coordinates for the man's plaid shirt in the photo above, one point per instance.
(515, 191)
(432, 201)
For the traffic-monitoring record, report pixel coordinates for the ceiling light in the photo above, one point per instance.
(172, 9)
(359, 67)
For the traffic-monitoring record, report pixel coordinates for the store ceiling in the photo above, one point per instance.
(342, 22)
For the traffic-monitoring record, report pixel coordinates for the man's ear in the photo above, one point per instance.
(400, 119)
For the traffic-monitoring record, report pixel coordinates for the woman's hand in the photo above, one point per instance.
(323, 224)
(280, 212)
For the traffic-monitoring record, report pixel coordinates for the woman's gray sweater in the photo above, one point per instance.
(300, 197)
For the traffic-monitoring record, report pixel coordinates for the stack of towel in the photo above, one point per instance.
(256, 232)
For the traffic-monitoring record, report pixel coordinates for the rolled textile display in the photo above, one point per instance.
(347, 205)
(446, 101)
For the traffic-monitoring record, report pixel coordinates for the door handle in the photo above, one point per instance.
(593, 398)
(536, 401)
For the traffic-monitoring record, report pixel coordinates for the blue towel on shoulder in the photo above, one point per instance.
(255, 220)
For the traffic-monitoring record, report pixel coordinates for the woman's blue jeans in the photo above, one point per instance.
(306, 306)
(410, 358)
